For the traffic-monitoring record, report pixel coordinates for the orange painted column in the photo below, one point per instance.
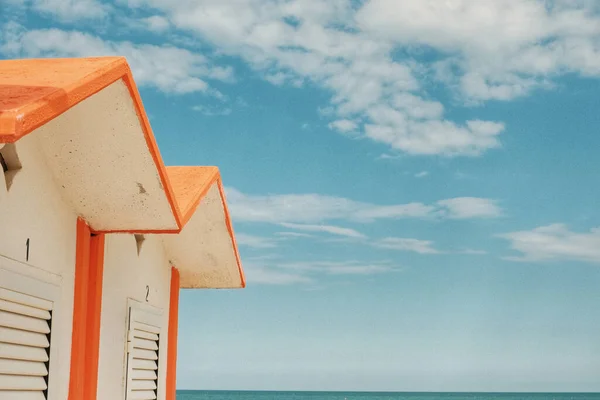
(85, 342)
(173, 325)
(92, 348)
(78, 341)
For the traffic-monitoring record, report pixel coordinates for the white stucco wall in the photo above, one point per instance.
(100, 158)
(33, 209)
(126, 275)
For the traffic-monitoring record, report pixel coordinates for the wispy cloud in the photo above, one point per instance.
(340, 268)
(554, 243)
(343, 125)
(270, 272)
(470, 207)
(421, 174)
(258, 242)
(334, 230)
(156, 23)
(294, 234)
(71, 10)
(260, 274)
(407, 244)
(214, 111)
(386, 156)
(315, 208)
(486, 57)
(167, 68)
(472, 252)
(374, 94)
(351, 50)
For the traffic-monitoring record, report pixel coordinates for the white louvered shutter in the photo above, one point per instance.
(25, 326)
(143, 343)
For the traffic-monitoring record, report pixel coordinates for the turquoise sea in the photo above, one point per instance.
(226, 395)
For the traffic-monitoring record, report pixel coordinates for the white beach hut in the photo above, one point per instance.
(97, 236)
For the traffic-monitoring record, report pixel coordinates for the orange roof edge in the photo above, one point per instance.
(35, 91)
(231, 234)
(190, 185)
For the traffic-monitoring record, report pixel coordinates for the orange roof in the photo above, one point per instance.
(35, 91)
(190, 184)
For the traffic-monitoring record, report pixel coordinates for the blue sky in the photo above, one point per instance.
(413, 184)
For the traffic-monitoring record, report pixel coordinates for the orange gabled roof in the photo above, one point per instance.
(34, 91)
(190, 184)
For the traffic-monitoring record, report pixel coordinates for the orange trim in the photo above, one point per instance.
(87, 303)
(231, 234)
(80, 309)
(190, 185)
(93, 316)
(35, 91)
(173, 327)
(141, 231)
(151, 143)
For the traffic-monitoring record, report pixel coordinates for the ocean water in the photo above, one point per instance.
(225, 395)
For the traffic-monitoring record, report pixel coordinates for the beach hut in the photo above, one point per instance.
(97, 236)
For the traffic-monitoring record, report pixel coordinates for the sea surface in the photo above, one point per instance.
(225, 395)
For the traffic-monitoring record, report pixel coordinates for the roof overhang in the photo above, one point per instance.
(205, 248)
(93, 132)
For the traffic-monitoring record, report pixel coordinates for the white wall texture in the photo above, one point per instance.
(126, 275)
(33, 209)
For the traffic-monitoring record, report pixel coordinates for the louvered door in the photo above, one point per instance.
(143, 343)
(25, 326)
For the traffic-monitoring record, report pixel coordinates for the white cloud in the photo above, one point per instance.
(555, 243)
(72, 10)
(343, 125)
(334, 230)
(294, 234)
(259, 274)
(432, 136)
(339, 268)
(211, 112)
(315, 208)
(495, 49)
(279, 78)
(472, 252)
(485, 49)
(258, 242)
(470, 207)
(417, 107)
(167, 68)
(407, 244)
(387, 156)
(271, 272)
(369, 212)
(421, 174)
(323, 45)
(157, 23)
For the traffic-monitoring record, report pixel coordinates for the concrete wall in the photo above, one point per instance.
(33, 209)
(126, 275)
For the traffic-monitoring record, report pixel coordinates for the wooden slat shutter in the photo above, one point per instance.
(25, 327)
(143, 343)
